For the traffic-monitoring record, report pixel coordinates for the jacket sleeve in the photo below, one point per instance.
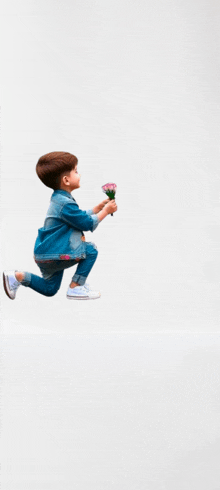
(77, 218)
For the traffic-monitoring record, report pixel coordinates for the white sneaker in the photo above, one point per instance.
(10, 283)
(82, 292)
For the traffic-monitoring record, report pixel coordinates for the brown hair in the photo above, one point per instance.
(51, 166)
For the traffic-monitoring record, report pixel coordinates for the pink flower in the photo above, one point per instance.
(109, 187)
(110, 190)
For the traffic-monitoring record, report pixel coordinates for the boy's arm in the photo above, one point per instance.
(101, 214)
(73, 216)
(99, 207)
(90, 211)
(95, 210)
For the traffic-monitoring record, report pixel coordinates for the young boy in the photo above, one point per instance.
(60, 243)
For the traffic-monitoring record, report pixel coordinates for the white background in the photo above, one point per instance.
(132, 89)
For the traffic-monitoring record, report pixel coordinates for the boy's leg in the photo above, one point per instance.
(52, 273)
(85, 265)
(47, 287)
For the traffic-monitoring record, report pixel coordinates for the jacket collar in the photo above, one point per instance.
(65, 193)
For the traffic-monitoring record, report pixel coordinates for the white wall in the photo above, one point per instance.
(131, 89)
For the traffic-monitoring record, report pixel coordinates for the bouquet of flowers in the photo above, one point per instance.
(110, 190)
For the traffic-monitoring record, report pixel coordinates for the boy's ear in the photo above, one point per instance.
(64, 179)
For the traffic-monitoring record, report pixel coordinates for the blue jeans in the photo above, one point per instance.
(52, 272)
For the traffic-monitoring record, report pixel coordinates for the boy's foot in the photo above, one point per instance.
(10, 283)
(82, 292)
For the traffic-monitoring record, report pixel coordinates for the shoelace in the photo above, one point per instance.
(13, 285)
(85, 287)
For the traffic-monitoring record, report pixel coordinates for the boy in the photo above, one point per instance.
(60, 243)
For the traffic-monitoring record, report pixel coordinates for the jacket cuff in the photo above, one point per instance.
(89, 211)
(95, 220)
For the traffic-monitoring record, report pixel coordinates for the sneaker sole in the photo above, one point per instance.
(6, 286)
(81, 298)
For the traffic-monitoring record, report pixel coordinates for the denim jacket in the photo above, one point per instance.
(61, 237)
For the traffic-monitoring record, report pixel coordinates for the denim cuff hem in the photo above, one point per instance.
(79, 279)
(27, 279)
(95, 221)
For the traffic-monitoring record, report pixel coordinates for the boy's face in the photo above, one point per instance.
(72, 180)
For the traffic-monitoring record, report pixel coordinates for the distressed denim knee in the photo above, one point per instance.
(92, 254)
(91, 249)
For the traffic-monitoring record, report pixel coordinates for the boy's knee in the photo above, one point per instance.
(51, 293)
(91, 251)
(94, 254)
(94, 250)
(52, 290)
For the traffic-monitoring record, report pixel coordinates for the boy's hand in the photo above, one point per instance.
(100, 206)
(111, 207)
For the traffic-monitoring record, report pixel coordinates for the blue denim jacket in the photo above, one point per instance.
(61, 236)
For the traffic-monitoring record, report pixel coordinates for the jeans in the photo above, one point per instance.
(52, 272)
